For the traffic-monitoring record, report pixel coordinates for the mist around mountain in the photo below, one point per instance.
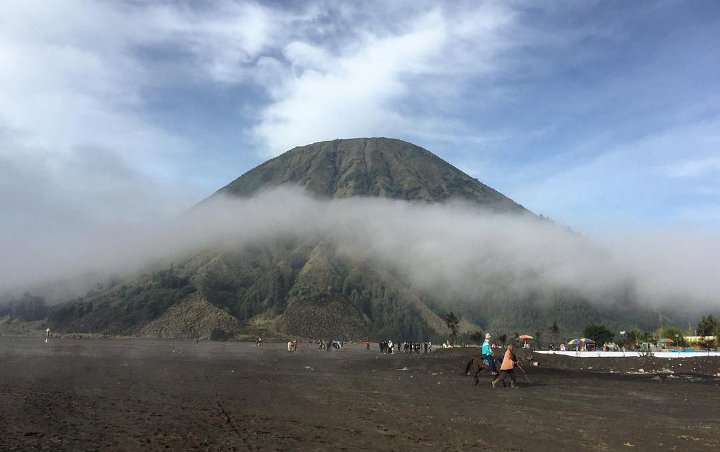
(355, 239)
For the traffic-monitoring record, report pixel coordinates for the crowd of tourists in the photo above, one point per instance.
(389, 347)
(329, 344)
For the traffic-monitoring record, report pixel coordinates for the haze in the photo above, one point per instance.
(458, 247)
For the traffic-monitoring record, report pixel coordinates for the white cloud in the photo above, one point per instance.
(226, 39)
(73, 89)
(694, 168)
(455, 248)
(636, 179)
(360, 89)
(670, 265)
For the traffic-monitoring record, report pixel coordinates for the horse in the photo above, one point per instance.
(476, 365)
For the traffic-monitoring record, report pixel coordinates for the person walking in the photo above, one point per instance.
(506, 368)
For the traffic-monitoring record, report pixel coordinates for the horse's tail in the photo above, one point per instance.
(469, 365)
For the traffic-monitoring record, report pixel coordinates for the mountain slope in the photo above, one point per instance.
(303, 286)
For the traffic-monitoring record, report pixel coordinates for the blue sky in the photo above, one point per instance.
(601, 115)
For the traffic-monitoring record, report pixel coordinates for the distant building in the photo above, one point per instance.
(698, 340)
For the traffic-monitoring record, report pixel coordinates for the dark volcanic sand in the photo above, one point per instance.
(154, 395)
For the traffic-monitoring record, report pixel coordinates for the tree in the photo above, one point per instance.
(642, 335)
(502, 339)
(631, 337)
(628, 339)
(170, 279)
(598, 332)
(710, 343)
(671, 332)
(452, 323)
(477, 337)
(537, 339)
(707, 326)
(555, 331)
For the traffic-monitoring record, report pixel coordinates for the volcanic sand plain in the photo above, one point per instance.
(141, 394)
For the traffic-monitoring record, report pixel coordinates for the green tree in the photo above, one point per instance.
(502, 339)
(628, 339)
(642, 335)
(169, 278)
(538, 334)
(452, 323)
(598, 332)
(707, 326)
(671, 332)
(478, 337)
(710, 343)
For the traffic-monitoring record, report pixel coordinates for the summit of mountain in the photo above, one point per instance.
(370, 167)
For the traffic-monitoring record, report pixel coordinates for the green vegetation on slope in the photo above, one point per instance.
(123, 310)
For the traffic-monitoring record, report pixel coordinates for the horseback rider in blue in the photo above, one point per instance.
(487, 354)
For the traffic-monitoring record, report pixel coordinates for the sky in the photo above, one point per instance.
(604, 116)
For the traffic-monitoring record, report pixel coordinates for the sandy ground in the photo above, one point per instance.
(170, 395)
(696, 365)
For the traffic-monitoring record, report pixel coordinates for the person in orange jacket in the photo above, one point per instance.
(507, 368)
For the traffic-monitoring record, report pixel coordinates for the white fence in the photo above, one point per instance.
(584, 354)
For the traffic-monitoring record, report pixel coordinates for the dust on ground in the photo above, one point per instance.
(132, 394)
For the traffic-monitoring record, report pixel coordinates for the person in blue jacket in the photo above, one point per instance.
(487, 354)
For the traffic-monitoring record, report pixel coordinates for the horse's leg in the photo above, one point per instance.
(477, 380)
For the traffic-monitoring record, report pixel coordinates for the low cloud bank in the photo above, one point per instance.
(456, 247)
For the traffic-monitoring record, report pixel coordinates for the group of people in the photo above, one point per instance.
(329, 344)
(586, 347)
(389, 347)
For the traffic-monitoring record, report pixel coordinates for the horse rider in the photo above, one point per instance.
(487, 355)
(506, 368)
